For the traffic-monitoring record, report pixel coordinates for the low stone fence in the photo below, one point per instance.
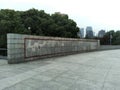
(109, 47)
(23, 48)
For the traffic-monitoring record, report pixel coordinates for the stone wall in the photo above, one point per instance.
(23, 48)
(109, 47)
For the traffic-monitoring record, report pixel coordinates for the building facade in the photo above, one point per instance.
(89, 32)
(81, 33)
(101, 33)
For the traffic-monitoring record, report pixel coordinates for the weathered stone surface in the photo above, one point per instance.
(23, 48)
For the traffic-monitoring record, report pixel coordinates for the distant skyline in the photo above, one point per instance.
(100, 14)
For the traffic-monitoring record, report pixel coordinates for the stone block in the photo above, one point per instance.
(10, 35)
(39, 47)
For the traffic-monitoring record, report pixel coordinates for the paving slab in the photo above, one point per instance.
(85, 71)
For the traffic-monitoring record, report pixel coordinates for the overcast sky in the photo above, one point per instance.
(100, 14)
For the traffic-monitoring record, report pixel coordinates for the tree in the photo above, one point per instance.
(115, 40)
(40, 23)
(66, 26)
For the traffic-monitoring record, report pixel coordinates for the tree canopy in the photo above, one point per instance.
(39, 23)
(114, 36)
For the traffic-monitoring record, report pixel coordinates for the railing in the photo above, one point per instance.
(3, 52)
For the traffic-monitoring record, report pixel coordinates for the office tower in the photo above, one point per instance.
(101, 33)
(81, 33)
(89, 32)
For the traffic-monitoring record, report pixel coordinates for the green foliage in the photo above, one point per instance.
(40, 23)
(115, 40)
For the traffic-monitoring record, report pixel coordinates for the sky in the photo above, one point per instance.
(100, 14)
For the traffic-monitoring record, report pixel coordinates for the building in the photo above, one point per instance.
(101, 33)
(81, 33)
(59, 13)
(89, 32)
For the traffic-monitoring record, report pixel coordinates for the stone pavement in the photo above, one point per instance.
(85, 71)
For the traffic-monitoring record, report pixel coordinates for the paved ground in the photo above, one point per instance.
(1, 57)
(86, 71)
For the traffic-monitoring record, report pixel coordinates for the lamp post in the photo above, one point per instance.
(29, 28)
(110, 38)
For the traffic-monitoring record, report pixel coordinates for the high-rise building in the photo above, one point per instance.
(101, 33)
(89, 32)
(81, 33)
